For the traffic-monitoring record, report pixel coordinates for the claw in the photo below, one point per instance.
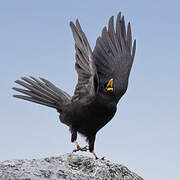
(85, 148)
(103, 158)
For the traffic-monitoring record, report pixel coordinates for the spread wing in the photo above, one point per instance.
(85, 65)
(114, 55)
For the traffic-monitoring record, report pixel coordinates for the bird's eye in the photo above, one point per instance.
(105, 85)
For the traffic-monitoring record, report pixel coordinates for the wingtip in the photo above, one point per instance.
(122, 19)
(31, 77)
(104, 31)
(111, 18)
(111, 22)
(119, 14)
(16, 96)
(129, 30)
(71, 23)
(77, 22)
(42, 79)
(118, 20)
(23, 78)
(129, 25)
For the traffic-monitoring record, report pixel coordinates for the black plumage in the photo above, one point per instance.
(102, 80)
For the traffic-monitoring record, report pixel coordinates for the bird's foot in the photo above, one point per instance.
(81, 148)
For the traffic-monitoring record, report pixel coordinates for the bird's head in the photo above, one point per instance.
(113, 88)
(109, 86)
(108, 89)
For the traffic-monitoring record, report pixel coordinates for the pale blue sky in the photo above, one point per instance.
(35, 39)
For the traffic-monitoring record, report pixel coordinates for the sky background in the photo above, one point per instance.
(35, 39)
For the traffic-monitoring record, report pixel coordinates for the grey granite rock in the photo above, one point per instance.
(68, 167)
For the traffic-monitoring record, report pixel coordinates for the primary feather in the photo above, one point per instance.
(85, 65)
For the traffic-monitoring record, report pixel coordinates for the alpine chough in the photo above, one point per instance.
(102, 80)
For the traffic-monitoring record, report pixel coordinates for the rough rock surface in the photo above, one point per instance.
(68, 167)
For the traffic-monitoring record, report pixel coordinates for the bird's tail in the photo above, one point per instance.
(42, 92)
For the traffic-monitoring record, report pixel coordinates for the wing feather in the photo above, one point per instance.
(85, 65)
(114, 54)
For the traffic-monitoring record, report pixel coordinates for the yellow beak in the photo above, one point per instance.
(109, 86)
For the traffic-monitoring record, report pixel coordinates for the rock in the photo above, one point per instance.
(68, 167)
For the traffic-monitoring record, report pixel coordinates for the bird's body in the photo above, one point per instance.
(87, 117)
(102, 80)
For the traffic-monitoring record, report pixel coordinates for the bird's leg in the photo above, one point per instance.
(91, 140)
(94, 155)
(79, 148)
(73, 139)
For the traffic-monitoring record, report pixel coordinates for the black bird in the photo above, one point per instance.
(102, 80)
